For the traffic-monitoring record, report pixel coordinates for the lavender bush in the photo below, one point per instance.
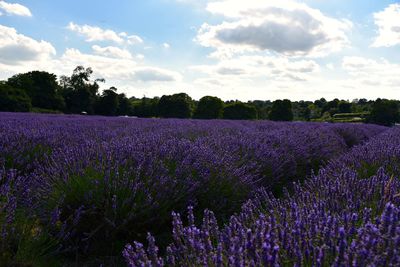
(340, 217)
(80, 188)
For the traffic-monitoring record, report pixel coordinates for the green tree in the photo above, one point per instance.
(145, 107)
(263, 108)
(175, 106)
(14, 99)
(321, 103)
(281, 111)
(107, 103)
(344, 107)
(209, 107)
(124, 106)
(41, 87)
(79, 91)
(315, 111)
(240, 111)
(304, 111)
(384, 112)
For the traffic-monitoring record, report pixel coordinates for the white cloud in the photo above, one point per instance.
(372, 72)
(262, 68)
(388, 22)
(120, 69)
(152, 74)
(134, 40)
(111, 51)
(166, 45)
(94, 34)
(285, 27)
(17, 48)
(131, 39)
(106, 67)
(330, 66)
(15, 9)
(19, 53)
(225, 70)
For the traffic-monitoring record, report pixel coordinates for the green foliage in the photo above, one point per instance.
(209, 107)
(125, 106)
(79, 91)
(27, 243)
(42, 88)
(344, 107)
(146, 107)
(303, 110)
(175, 106)
(97, 209)
(281, 111)
(321, 103)
(351, 115)
(13, 99)
(263, 108)
(107, 104)
(326, 117)
(384, 112)
(240, 111)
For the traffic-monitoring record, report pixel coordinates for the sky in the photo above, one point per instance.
(233, 49)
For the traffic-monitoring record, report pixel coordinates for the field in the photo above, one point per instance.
(87, 190)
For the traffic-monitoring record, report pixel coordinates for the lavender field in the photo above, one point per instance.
(90, 191)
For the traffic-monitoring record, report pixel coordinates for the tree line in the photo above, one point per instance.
(39, 91)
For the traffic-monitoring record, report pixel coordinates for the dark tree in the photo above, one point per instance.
(320, 103)
(362, 101)
(304, 112)
(146, 107)
(124, 106)
(384, 112)
(281, 111)
(240, 111)
(344, 107)
(263, 108)
(107, 103)
(175, 106)
(14, 99)
(79, 91)
(209, 107)
(41, 87)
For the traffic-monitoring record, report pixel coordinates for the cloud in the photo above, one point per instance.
(17, 48)
(15, 9)
(230, 71)
(166, 45)
(388, 22)
(104, 66)
(330, 66)
(111, 51)
(118, 69)
(152, 74)
(95, 34)
(131, 39)
(284, 27)
(134, 40)
(372, 72)
(260, 68)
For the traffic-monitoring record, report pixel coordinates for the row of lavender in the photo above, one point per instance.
(347, 215)
(82, 187)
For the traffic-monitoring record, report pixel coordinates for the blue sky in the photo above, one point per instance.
(253, 49)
